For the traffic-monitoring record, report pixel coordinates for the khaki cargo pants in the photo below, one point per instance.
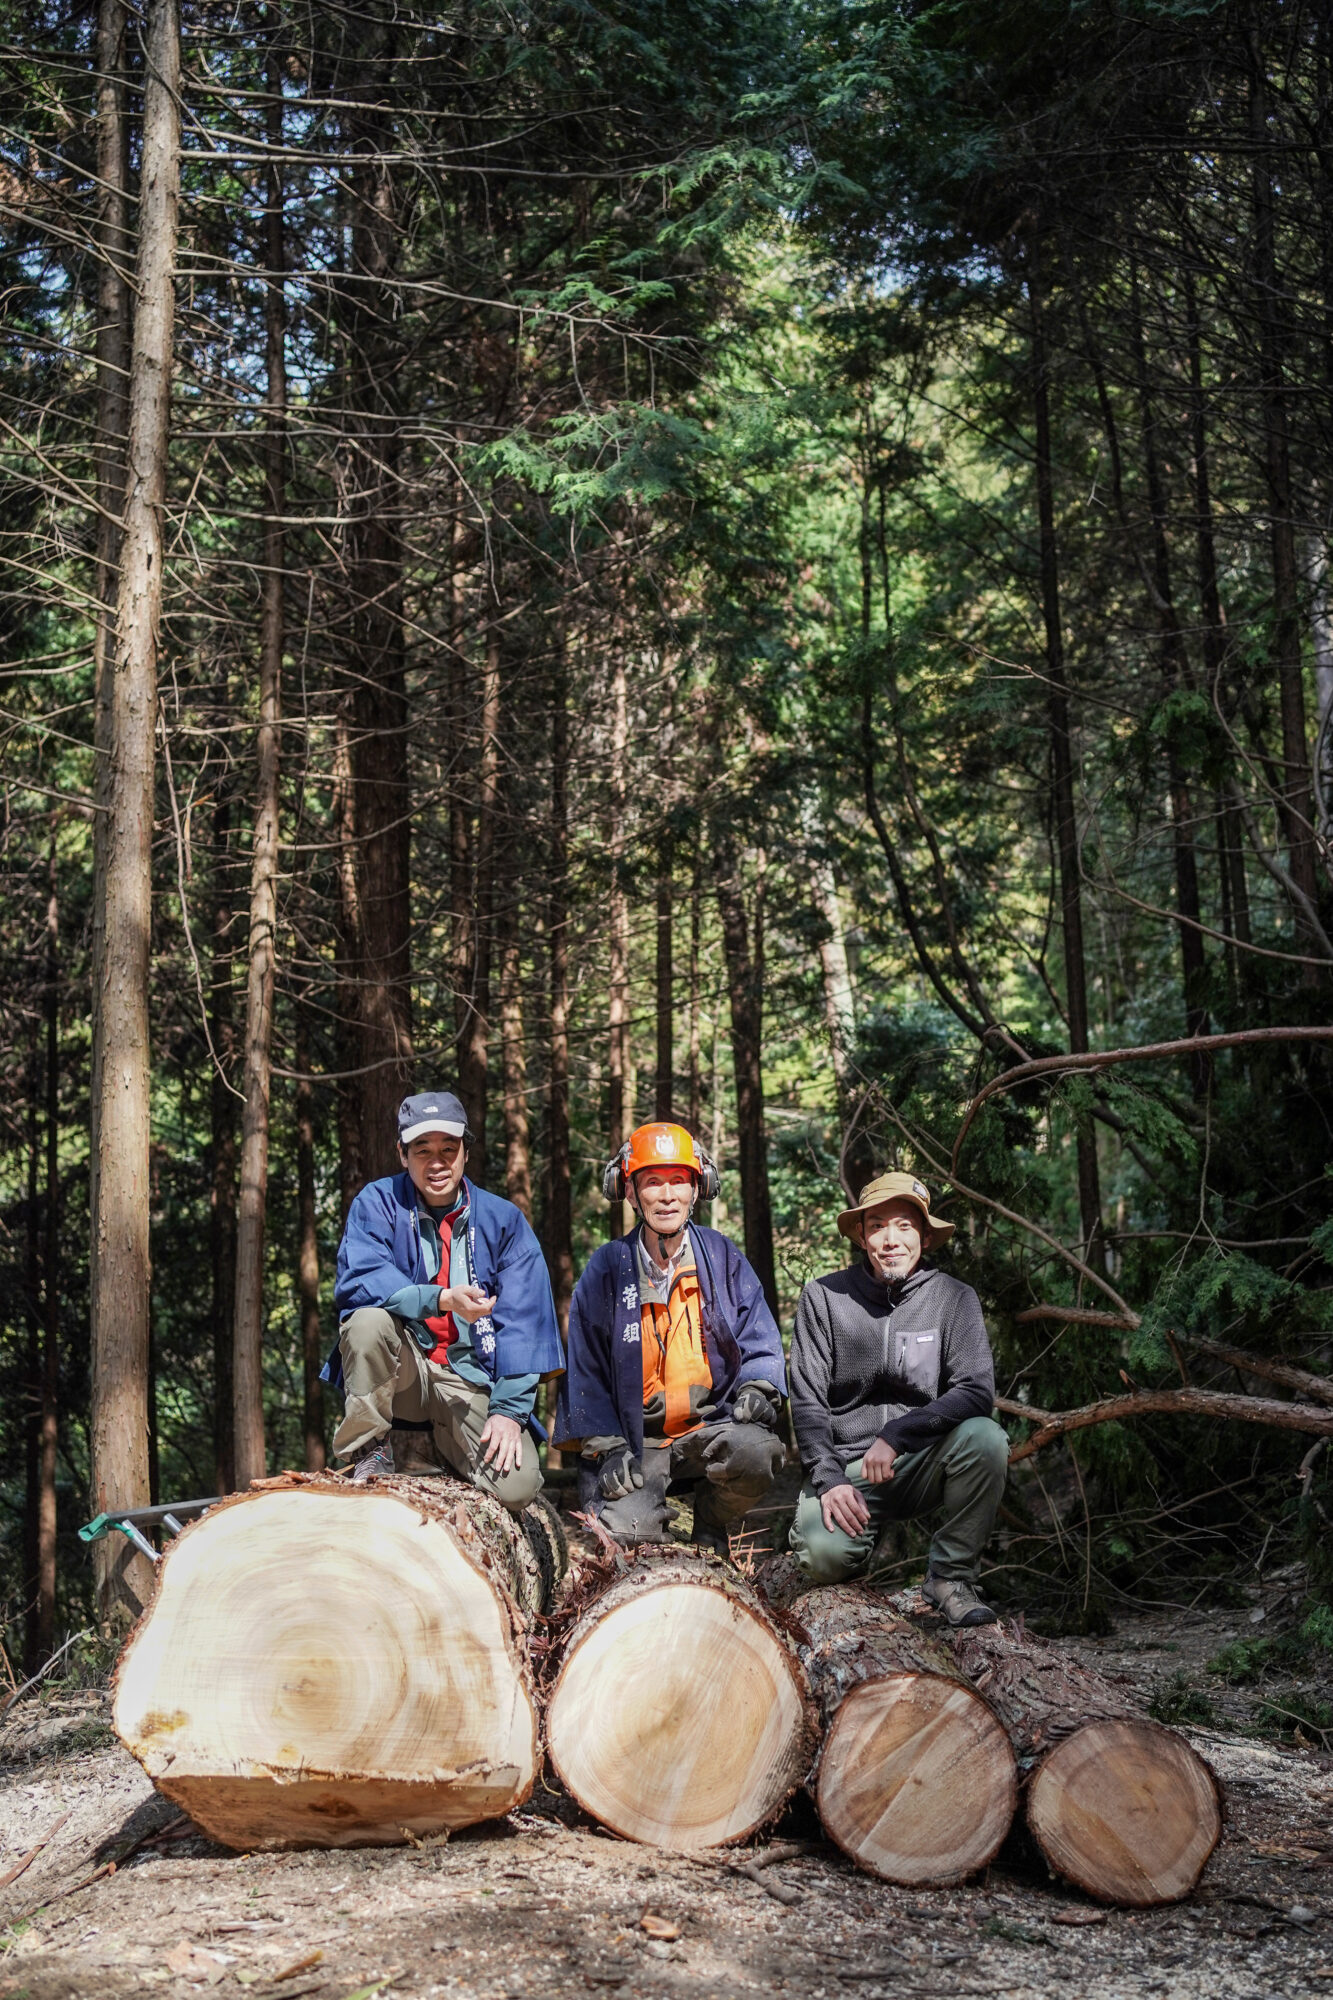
(387, 1378)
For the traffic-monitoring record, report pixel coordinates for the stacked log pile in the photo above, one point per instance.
(332, 1665)
(335, 1665)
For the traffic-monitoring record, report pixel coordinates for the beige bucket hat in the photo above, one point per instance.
(897, 1187)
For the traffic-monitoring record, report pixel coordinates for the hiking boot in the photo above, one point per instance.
(373, 1461)
(957, 1600)
(414, 1454)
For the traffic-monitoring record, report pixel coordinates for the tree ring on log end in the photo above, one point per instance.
(917, 1782)
(329, 1667)
(680, 1719)
(1127, 1810)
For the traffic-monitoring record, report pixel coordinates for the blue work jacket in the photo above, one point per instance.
(601, 1391)
(381, 1252)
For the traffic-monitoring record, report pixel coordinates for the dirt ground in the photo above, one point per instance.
(542, 1904)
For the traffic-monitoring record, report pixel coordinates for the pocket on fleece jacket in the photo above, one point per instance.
(918, 1360)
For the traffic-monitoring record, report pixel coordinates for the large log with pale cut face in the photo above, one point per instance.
(334, 1665)
(679, 1713)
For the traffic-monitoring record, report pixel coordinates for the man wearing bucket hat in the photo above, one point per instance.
(674, 1372)
(892, 1387)
(447, 1319)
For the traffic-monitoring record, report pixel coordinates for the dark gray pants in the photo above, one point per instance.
(733, 1478)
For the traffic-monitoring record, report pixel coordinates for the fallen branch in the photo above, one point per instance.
(1097, 1059)
(1166, 1402)
(753, 1865)
(27, 1859)
(1320, 1387)
(1076, 1316)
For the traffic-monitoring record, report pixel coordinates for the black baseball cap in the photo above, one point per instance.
(431, 1111)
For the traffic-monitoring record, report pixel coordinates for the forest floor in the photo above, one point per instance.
(542, 1905)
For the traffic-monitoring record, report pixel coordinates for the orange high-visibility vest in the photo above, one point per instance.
(674, 1360)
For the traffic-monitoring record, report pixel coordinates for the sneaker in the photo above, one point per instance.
(957, 1600)
(373, 1461)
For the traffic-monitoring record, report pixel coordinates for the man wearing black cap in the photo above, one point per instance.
(447, 1320)
(892, 1388)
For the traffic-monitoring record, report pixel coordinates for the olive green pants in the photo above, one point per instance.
(963, 1475)
(386, 1377)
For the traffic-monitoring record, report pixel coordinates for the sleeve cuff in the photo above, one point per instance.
(513, 1396)
(414, 1302)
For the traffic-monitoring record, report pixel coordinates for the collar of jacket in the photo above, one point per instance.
(887, 1294)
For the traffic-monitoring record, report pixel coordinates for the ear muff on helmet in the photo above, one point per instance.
(708, 1182)
(613, 1176)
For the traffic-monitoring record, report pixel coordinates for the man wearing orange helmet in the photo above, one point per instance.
(674, 1373)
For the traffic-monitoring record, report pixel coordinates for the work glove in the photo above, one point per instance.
(757, 1403)
(743, 1451)
(618, 1473)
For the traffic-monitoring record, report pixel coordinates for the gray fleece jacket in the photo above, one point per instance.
(907, 1362)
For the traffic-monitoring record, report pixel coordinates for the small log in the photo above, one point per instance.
(334, 1665)
(679, 1713)
(1117, 1804)
(916, 1780)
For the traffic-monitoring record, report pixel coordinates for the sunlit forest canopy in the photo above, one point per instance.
(760, 564)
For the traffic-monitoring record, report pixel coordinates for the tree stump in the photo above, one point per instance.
(916, 1780)
(679, 1714)
(1119, 1805)
(333, 1665)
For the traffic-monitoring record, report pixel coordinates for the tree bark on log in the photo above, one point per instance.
(330, 1665)
(916, 1780)
(680, 1715)
(1117, 1804)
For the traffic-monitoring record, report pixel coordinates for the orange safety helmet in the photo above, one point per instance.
(659, 1145)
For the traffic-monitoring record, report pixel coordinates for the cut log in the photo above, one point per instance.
(333, 1665)
(916, 1780)
(1117, 1804)
(680, 1715)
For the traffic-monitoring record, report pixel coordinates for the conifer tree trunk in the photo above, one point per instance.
(1062, 761)
(620, 1092)
(559, 1210)
(664, 1089)
(222, 1126)
(307, 1252)
(32, 1304)
(378, 737)
(349, 951)
(1297, 800)
(248, 1376)
(696, 1111)
(1175, 674)
(474, 1064)
(746, 992)
(463, 935)
(123, 889)
(48, 1435)
(513, 1055)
